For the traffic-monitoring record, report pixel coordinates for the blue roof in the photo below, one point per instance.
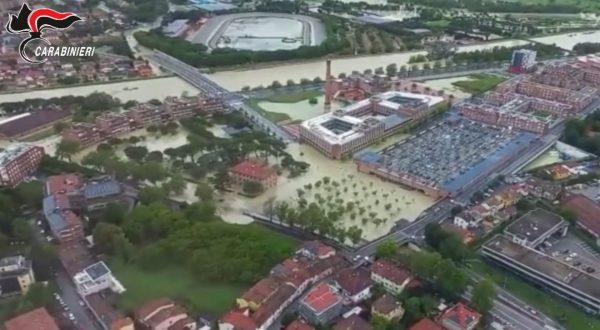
(486, 165)
(369, 156)
(101, 188)
(53, 216)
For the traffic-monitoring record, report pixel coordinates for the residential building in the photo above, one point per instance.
(353, 322)
(151, 308)
(316, 250)
(113, 124)
(147, 114)
(425, 324)
(254, 171)
(554, 275)
(587, 212)
(24, 125)
(321, 305)
(387, 307)
(274, 306)
(65, 225)
(355, 283)
(19, 161)
(37, 319)
(299, 325)
(460, 317)
(125, 323)
(259, 293)
(236, 320)
(85, 134)
(182, 107)
(522, 60)
(100, 191)
(534, 227)
(164, 314)
(393, 278)
(16, 276)
(559, 172)
(95, 278)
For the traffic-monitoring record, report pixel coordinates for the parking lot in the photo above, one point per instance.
(574, 252)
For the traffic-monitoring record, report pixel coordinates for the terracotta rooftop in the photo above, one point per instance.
(238, 320)
(142, 312)
(321, 298)
(274, 302)
(425, 324)
(299, 325)
(354, 281)
(63, 183)
(181, 324)
(253, 169)
(121, 323)
(385, 304)
(353, 322)
(390, 271)
(587, 211)
(155, 320)
(262, 290)
(461, 315)
(37, 319)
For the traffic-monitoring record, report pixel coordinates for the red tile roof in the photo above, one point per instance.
(299, 325)
(63, 183)
(142, 312)
(588, 212)
(165, 314)
(354, 281)
(425, 324)
(390, 271)
(37, 319)
(461, 315)
(253, 169)
(262, 290)
(121, 323)
(353, 322)
(238, 320)
(269, 307)
(385, 304)
(321, 298)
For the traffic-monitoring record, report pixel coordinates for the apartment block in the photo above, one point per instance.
(19, 161)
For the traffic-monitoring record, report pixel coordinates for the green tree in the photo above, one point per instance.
(113, 213)
(66, 148)
(483, 297)
(44, 259)
(153, 171)
(21, 230)
(391, 69)
(60, 126)
(524, 205)
(110, 239)
(568, 214)
(379, 323)
(175, 185)
(30, 193)
(387, 249)
(204, 191)
(149, 195)
(136, 153)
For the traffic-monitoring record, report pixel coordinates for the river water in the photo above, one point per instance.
(143, 90)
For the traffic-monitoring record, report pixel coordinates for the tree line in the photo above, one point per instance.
(582, 133)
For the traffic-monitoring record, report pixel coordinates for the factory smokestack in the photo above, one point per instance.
(328, 87)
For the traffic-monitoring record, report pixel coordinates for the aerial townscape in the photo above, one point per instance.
(299, 165)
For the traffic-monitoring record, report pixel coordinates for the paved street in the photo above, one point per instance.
(83, 317)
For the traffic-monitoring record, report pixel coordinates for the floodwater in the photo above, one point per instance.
(567, 41)
(409, 205)
(447, 87)
(300, 110)
(138, 90)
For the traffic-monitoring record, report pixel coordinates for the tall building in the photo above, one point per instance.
(18, 162)
(16, 276)
(522, 60)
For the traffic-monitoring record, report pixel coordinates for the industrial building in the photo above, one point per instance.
(27, 124)
(19, 161)
(534, 227)
(576, 285)
(446, 157)
(341, 133)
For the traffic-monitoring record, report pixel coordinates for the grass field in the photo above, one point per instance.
(551, 305)
(479, 83)
(175, 283)
(293, 98)
(273, 116)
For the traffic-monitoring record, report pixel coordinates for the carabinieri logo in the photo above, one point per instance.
(35, 22)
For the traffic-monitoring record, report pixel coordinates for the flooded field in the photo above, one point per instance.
(549, 157)
(409, 205)
(299, 110)
(447, 87)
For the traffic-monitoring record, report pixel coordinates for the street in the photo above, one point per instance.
(83, 317)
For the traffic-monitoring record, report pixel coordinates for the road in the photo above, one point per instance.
(232, 100)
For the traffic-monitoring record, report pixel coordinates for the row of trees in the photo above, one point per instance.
(501, 7)
(580, 133)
